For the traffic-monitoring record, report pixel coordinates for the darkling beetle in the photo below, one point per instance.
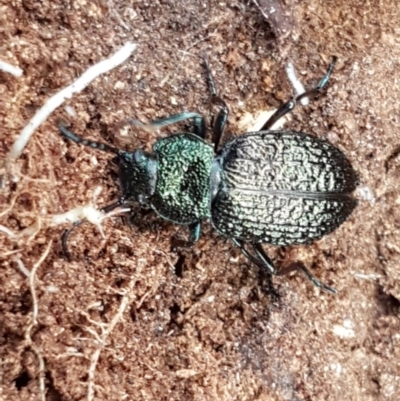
(276, 187)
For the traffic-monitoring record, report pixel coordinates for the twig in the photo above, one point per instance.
(6, 67)
(372, 277)
(10, 207)
(29, 232)
(185, 52)
(160, 252)
(35, 312)
(118, 16)
(59, 98)
(264, 14)
(278, 18)
(9, 253)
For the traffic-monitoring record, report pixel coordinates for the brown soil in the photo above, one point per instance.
(200, 324)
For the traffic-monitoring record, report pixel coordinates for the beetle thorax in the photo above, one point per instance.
(182, 192)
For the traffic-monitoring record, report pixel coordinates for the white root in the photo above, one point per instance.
(34, 322)
(86, 212)
(59, 98)
(106, 330)
(22, 267)
(296, 84)
(6, 67)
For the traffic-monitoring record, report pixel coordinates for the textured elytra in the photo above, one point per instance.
(282, 188)
(183, 182)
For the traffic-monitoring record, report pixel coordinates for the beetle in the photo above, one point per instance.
(277, 187)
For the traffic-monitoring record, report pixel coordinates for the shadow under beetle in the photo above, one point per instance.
(276, 187)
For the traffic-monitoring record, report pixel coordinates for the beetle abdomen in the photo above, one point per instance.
(182, 192)
(282, 188)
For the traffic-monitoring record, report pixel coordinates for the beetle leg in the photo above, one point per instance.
(195, 232)
(265, 264)
(222, 117)
(210, 79)
(200, 127)
(264, 261)
(284, 109)
(194, 235)
(321, 85)
(220, 122)
(64, 239)
(311, 277)
(259, 250)
(66, 233)
(290, 105)
(264, 258)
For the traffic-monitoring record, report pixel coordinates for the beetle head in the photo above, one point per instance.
(137, 169)
(138, 175)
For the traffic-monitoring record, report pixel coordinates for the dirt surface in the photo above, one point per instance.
(127, 319)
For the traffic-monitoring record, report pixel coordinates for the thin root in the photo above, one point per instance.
(35, 311)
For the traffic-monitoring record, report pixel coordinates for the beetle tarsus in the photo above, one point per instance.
(64, 240)
(310, 276)
(290, 105)
(264, 261)
(210, 78)
(322, 83)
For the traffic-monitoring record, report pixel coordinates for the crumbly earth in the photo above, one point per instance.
(127, 319)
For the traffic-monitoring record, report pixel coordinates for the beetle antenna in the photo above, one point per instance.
(95, 145)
